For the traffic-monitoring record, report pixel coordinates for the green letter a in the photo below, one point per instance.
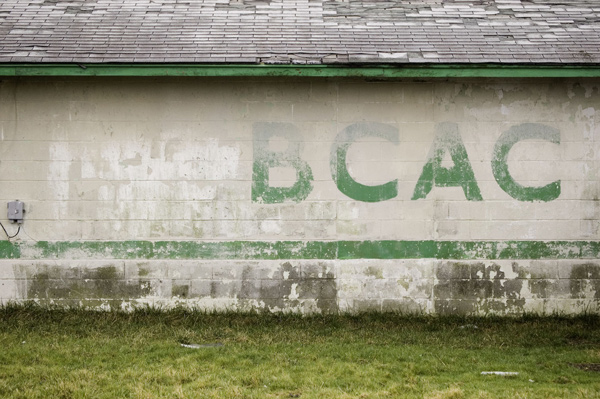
(447, 139)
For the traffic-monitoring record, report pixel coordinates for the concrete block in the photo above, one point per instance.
(7, 90)
(262, 271)
(544, 288)
(146, 269)
(277, 111)
(43, 110)
(420, 110)
(250, 289)
(583, 289)
(226, 289)
(11, 289)
(569, 289)
(366, 305)
(471, 289)
(349, 288)
(405, 306)
(111, 270)
(181, 289)
(578, 269)
(408, 269)
(346, 305)
(227, 271)
(25, 270)
(371, 92)
(454, 270)
(318, 270)
(270, 289)
(380, 288)
(510, 289)
(313, 111)
(543, 269)
(327, 306)
(7, 110)
(358, 112)
(417, 289)
(201, 288)
(535, 306)
(571, 306)
(455, 306)
(155, 288)
(317, 289)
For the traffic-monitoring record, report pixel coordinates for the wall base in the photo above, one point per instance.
(503, 287)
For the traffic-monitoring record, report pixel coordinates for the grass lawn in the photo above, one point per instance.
(85, 354)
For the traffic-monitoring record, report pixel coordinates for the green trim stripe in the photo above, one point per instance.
(249, 70)
(263, 250)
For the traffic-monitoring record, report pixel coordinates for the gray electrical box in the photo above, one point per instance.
(16, 210)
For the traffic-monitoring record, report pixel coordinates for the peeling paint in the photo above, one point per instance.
(385, 249)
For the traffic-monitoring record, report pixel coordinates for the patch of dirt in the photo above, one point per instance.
(587, 366)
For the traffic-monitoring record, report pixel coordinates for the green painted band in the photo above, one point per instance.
(264, 250)
(374, 71)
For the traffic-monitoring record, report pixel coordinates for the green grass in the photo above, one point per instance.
(85, 354)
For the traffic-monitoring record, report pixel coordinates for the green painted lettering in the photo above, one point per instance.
(264, 159)
(447, 139)
(339, 170)
(525, 131)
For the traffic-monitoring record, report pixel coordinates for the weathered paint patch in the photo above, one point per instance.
(384, 249)
(10, 250)
(140, 160)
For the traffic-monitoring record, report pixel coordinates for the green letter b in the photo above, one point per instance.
(264, 159)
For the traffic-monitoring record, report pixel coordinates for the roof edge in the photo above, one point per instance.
(324, 71)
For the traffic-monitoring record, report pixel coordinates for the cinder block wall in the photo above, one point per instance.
(467, 196)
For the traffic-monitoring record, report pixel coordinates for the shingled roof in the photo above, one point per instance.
(300, 31)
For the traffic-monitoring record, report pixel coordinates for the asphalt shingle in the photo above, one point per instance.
(300, 31)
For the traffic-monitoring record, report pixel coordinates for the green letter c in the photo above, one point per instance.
(339, 170)
(507, 140)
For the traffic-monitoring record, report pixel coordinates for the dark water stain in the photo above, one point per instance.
(464, 288)
(182, 291)
(289, 287)
(583, 277)
(104, 282)
(542, 288)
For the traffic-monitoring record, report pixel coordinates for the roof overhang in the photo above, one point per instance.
(315, 71)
